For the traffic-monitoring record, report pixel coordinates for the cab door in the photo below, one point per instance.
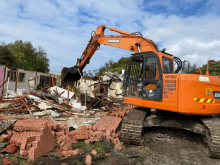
(152, 83)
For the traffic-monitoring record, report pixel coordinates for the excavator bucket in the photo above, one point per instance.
(69, 75)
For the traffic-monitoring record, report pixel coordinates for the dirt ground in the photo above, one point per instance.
(161, 147)
(165, 147)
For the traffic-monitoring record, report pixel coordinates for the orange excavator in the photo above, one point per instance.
(186, 101)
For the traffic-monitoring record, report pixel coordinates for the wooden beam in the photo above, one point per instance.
(16, 80)
(68, 94)
(3, 83)
(35, 83)
(26, 106)
(13, 110)
(4, 79)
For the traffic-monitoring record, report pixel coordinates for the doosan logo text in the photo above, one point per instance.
(113, 40)
(217, 94)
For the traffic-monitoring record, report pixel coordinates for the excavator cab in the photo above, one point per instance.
(144, 76)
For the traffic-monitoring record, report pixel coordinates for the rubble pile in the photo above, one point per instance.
(35, 102)
(41, 131)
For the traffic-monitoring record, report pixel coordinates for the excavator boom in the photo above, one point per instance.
(128, 41)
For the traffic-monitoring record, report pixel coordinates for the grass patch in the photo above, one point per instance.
(87, 148)
(15, 158)
(139, 163)
(1, 149)
(127, 152)
(76, 162)
(144, 154)
(35, 162)
(83, 147)
(99, 147)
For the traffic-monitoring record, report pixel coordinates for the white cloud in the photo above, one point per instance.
(195, 39)
(63, 28)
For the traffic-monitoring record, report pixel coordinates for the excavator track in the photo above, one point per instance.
(213, 136)
(132, 125)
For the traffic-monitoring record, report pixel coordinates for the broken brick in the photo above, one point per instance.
(23, 152)
(67, 146)
(94, 152)
(76, 151)
(67, 153)
(59, 150)
(87, 141)
(4, 137)
(59, 133)
(74, 141)
(10, 148)
(6, 161)
(88, 160)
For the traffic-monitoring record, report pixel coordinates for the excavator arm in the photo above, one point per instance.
(128, 41)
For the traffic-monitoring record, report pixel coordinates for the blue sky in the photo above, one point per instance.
(187, 29)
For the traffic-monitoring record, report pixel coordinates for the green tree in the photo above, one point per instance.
(214, 70)
(6, 58)
(28, 57)
(113, 66)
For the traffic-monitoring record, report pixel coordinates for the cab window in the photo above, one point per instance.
(167, 65)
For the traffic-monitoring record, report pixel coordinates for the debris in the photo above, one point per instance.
(4, 137)
(54, 97)
(85, 89)
(59, 151)
(35, 137)
(94, 152)
(54, 114)
(76, 151)
(2, 145)
(43, 106)
(55, 154)
(116, 153)
(88, 160)
(66, 147)
(34, 143)
(39, 113)
(106, 123)
(6, 125)
(6, 161)
(97, 103)
(71, 128)
(10, 148)
(19, 93)
(135, 155)
(61, 90)
(106, 145)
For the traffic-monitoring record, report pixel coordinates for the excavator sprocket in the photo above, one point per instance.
(132, 125)
(213, 136)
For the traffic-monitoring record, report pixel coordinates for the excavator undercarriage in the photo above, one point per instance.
(138, 118)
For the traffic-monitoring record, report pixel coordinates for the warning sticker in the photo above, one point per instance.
(208, 91)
